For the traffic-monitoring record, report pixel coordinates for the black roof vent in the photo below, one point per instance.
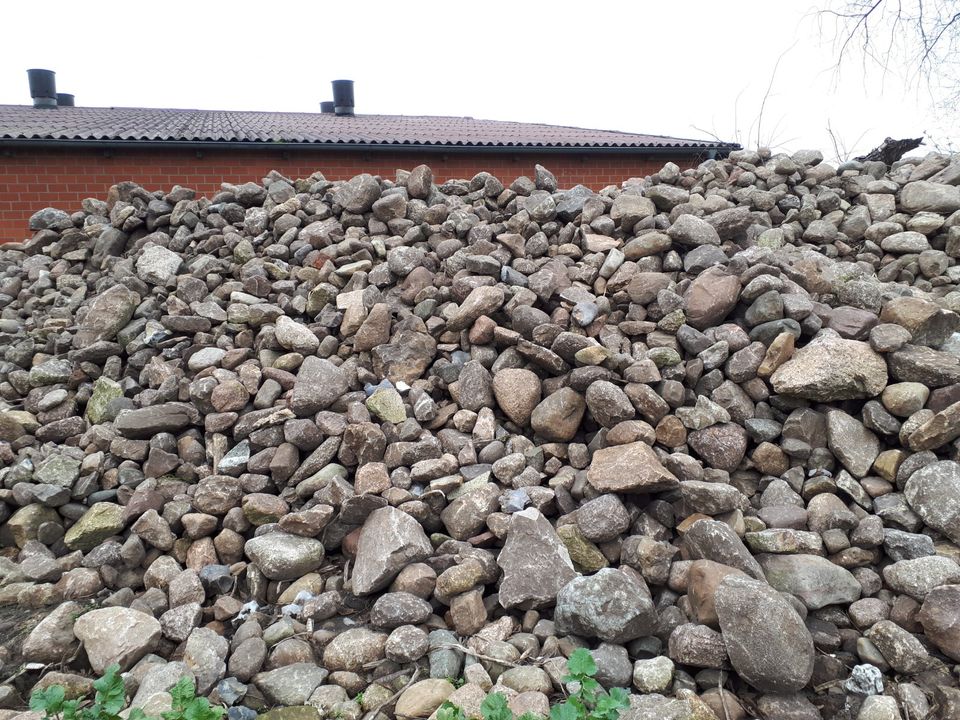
(65, 100)
(327, 107)
(343, 97)
(43, 87)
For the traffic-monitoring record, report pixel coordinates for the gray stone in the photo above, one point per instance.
(934, 494)
(691, 230)
(358, 194)
(294, 336)
(281, 556)
(612, 605)
(918, 577)
(830, 368)
(768, 644)
(52, 640)
(393, 609)
(107, 313)
(899, 648)
(921, 195)
(940, 617)
(389, 541)
(291, 684)
(714, 540)
(535, 562)
(205, 656)
(864, 680)
(852, 444)
(149, 421)
(352, 649)
(116, 635)
(158, 265)
(816, 581)
(483, 300)
(319, 384)
(59, 470)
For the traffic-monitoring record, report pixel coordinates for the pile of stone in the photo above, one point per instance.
(346, 449)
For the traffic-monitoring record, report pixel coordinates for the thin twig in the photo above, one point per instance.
(488, 658)
(723, 700)
(373, 713)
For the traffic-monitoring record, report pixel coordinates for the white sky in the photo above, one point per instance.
(651, 67)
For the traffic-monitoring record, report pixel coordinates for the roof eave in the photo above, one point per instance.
(714, 149)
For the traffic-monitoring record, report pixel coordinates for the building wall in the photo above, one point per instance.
(31, 179)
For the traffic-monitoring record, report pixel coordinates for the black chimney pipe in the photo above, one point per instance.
(327, 107)
(65, 100)
(43, 87)
(343, 97)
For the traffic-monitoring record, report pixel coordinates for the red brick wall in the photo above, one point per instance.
(31, 179)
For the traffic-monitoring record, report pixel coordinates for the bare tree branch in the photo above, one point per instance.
(766, 95)
(918, 40)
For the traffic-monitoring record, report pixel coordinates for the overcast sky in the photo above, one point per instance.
(685, 69)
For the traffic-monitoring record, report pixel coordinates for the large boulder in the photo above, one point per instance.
(116, 635)
(281, 556)
(934, 494)
(612, 605)
(629, 468)
(831, 368)
(940, 617)
(389, 541)
(767, 642)
(925, 196)
(535, 562)
(816, 581)
(319, 384)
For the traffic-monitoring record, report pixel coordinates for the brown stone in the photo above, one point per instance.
(711, 297)
(703, 578)
(629, 468)
(557, 417)
(671, 432)
(770, 459)
(780, 350)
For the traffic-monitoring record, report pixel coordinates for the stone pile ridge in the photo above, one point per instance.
(351, 449)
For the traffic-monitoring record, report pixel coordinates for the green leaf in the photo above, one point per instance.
(494, 707)
(529, 716)
(200, 709)
(564, 711)
(449, 711)
(590, 687)
(111, 695)
(137, 714)
(608, 706)
(581, 663)
(182, 693)
(605, 705)
(70, 709)
(621, 697)
(48, 701)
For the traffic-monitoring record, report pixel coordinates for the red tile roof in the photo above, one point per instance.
(91, 124)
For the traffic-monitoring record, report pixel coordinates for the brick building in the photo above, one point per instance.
(59, 156)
